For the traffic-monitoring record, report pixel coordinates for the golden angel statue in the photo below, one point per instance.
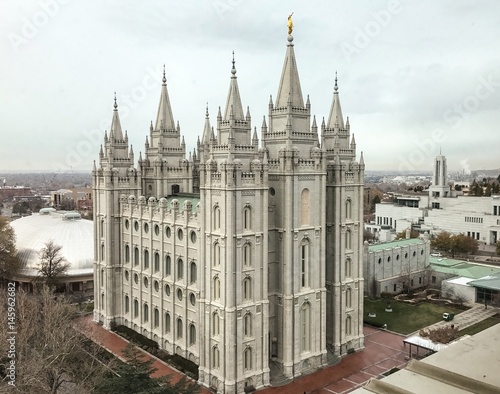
(290, 23)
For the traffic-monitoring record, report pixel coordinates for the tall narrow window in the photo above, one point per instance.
(179, 328)
(102, 252)
(167, 322)
(146, 259)
(145, 316)
(305, 325)
(348, 209)
(348, 244)
(304, 264)
(216, 218)
(136, 256)
(215, 357)
(192, 272)
(127, 254)
(157, 261)
(127, 306)
(156, 317)
(247, 325)
(216, 288)
(348, 298)
(247, 289)
(247, 218)
(215, 324)
(216, 254)
(247, 255)
(247, 362)
(192, 334)
(180, 269)
(136, 308)
(348, 328)
(304, 207)
(168, 265)
(348, 266)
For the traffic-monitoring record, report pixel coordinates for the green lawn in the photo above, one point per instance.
(405, 318)
(482, 325)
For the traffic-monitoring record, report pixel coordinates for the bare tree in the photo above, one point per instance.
(9, 263)
(53, 266)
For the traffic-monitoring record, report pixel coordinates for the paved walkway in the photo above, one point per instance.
(469, 317)
(114, 344)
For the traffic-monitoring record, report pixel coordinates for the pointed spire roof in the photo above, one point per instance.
(290, 82)
(233, 103)
(164, 118)
(116, 127)
(335, 118)
(207, 131)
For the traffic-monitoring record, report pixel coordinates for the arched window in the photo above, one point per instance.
(247, 325)
(247, 359)
(348, 298)
(179, 328)
(167, 322)
(304, 264)
(145, 316)
(304, 207)
(180, 269)
(348, 325)
(136, 308)
(157, 261)
(168, 265)
(305, 327)
(127, 306)
(247, 254)
(102, 228)
(102, 277)
(348, 267)
(136, 256)
(247, 218)
(146, 259)
(216, 217)
(215, 357)
(102, 300)
(247, 289)
(192, 334)
(215, 324)
(216, 254)
(348, 244)
(348, 209)
(127, 254)
(156, 317)
(192, 272)
(216, 288)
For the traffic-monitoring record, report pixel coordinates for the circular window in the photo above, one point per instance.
(414, 254)
(179, 294)
(146, 228)
(136, 225)
(192, 299)
(272, 192)
(193, 236)
(379, 260)
(136, 278)
(126, 276)
(157, 229)
(127, 224)
(167, 290)
(146, 282)
(168, 232)
(150, 187)
(156, 285)
(180, 234)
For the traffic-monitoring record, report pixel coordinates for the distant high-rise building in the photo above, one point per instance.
(245, 257)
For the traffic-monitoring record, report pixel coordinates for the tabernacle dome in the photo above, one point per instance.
(66, 229)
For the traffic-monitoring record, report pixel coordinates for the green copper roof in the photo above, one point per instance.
(490, 282)
(395, 244)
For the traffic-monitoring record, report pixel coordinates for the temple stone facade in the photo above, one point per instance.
(245, 256)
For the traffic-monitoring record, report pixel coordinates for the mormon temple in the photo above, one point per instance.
(244, 256)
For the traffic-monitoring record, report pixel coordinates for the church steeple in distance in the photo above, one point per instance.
(164, 118)
(233, 102)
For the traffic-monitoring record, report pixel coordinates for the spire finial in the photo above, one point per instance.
(336, 86)
(206, 111)
(115, 105)
(233, 70)
(164, 79)
(290, 24)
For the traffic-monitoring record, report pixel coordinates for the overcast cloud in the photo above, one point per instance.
(414, 76)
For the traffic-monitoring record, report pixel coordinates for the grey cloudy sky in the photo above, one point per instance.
(414, 76)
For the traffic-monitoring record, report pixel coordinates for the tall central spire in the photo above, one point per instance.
(290, 82)
(335, 118)
(164, 119)
(233, 103)
(116, 128)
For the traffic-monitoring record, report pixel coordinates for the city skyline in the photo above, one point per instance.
(414, 78)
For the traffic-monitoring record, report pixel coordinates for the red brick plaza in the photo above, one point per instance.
(383, 351)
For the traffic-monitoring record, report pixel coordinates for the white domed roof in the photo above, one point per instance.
(76, 236)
